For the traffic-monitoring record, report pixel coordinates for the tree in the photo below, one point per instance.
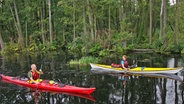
(176, 24)
(74, 25)
(161, 20)
(1, 28)
(151, 22)
(42, 15)
(84, 18)
(18, 25)
(50, 22)
(165, 23)
(90, 20)
(1, 42)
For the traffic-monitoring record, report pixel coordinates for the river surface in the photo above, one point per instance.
(110, 88)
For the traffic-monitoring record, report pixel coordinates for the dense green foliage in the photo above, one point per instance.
(90, 27)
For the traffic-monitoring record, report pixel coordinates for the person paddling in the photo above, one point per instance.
(124, 62)
(34, 74)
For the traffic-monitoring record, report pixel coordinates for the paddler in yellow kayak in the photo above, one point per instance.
(124, 62)
(34, 74)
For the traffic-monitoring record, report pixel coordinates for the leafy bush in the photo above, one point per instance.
(157, 44)
(95, 49)
(175, 48)
(75, 47)
(104, 53)
(12, 48)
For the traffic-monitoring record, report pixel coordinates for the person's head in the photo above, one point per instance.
(33, 67)
(124, 57)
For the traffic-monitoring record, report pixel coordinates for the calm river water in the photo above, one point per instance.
(110, 88)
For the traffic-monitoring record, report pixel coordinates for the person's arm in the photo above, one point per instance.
(39, 72)
(122, 64)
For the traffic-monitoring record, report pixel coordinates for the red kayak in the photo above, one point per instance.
(45, 85)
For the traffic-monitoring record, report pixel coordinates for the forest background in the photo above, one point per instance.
(97, 28)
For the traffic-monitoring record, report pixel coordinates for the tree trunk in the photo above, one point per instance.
(20, 35)
(26, 34)
(84, 18)
(50, 22)
(63, 31)
(122, 14)
(165, 24)
(151, 22)
(121, 11)
(109, 20)
(42, 23)
(95, 28)
(161, 20)
(14, 18)
(1, 42)
(90, 21)
(74, 28)
(176, 24)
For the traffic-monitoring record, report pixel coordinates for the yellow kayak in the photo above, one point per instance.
(137, 70)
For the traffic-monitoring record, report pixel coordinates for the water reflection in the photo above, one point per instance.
(145, 88)
(56, 98)
(171, 63)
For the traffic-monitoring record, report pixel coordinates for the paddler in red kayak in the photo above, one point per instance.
(124, 62)
(34, 74)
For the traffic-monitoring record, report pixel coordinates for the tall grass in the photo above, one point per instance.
(85, 60)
